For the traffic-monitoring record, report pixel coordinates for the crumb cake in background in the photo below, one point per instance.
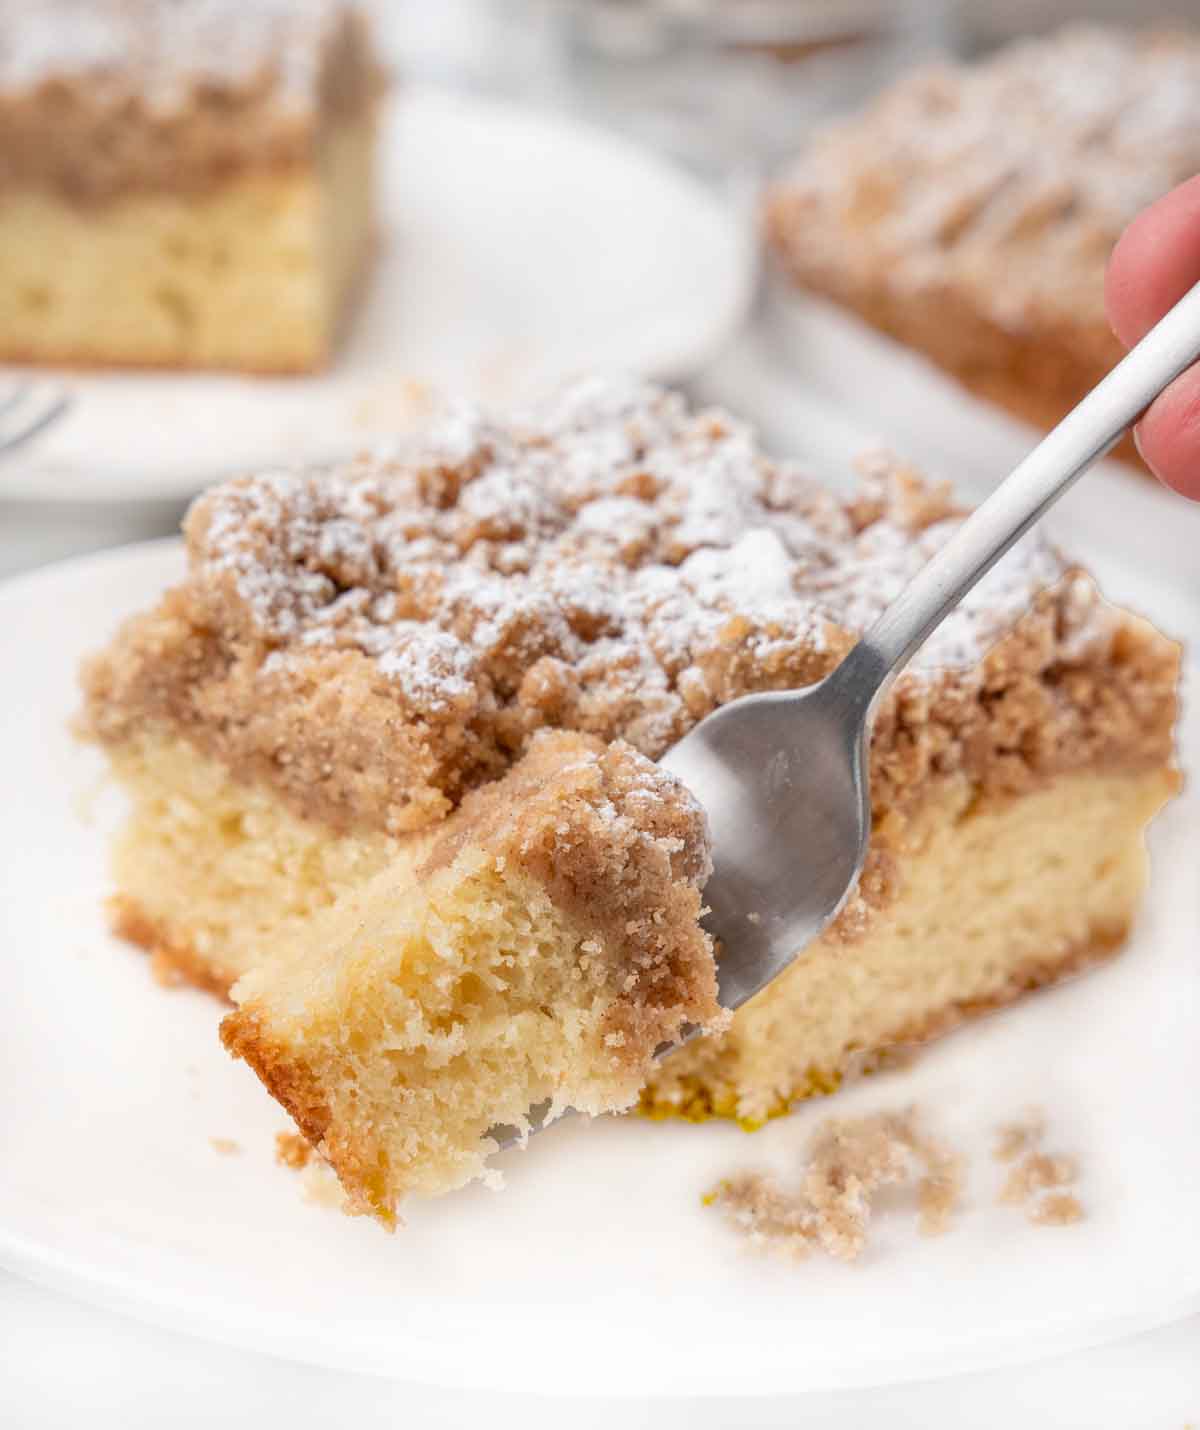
(354, 650)
(969, 212)
(541, 950)
(183, 183)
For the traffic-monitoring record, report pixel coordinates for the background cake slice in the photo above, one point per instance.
(183, 183)
(542, 951)
(970, 210)
(355, 649)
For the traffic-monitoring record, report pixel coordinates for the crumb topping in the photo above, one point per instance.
(1057, 1209)
(97, 96)
(613, 532)
(927, 188)
(531, 818)
(378, 638)
(175, 46)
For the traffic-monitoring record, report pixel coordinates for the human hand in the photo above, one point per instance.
(1155, 262)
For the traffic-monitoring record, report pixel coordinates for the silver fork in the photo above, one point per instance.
(783, 776)
(27, 409)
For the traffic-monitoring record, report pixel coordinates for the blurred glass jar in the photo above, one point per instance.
(721, 82)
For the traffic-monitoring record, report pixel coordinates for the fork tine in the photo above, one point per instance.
(29, 413)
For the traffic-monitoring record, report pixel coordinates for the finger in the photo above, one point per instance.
(1168, 436)
(1155, 262)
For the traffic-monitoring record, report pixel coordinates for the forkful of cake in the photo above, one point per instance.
(782, 776)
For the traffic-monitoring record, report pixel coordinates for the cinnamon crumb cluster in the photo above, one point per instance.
(374, 640)
(99, 98)
(849, 1161)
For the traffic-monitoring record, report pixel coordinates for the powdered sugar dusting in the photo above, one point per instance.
(958, 173)
(174, 46)
(611, 559)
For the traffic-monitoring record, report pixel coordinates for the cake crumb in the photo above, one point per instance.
(86, 797)
(225, 1146)
(940, 1190)
(1036, 1172)
(849, 1160)
(320, 1187)
(1037, 1178)
(1057, 1209)
(292, 1150)
(1014, 1138)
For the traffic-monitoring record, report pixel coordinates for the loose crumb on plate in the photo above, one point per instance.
(225, 1146)
(292, 1150)
(319, 1185)
(849, 1160)
(1056, 1209)
(1037, 1172)
(1014, 1138)
(1037, 1177)
(940, 1189)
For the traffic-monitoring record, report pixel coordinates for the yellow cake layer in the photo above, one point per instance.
(254, 275)
(988, 903)
(211, 874)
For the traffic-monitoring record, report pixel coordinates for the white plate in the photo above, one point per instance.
(517, 247)
(596, 1271)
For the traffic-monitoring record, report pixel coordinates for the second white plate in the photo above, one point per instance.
(517, 247)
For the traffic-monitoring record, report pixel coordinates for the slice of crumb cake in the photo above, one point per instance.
(355, 650)
(969, 210)
(543, 948)
(183, 183)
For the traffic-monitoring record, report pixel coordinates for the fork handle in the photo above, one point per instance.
(1085, 435)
